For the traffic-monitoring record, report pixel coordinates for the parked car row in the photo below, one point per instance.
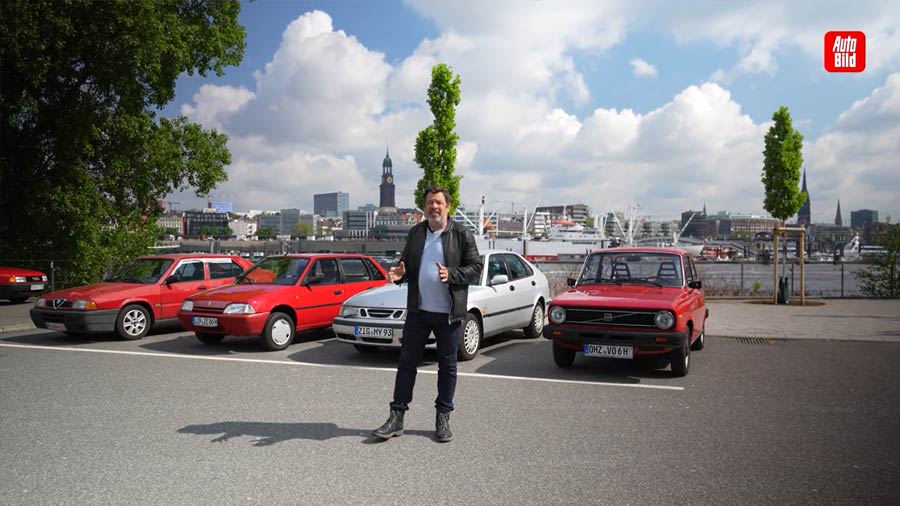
(625, 302)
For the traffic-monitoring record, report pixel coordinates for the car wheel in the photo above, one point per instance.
(681, 360)
(209, 338)
(471, 338)
(536, 325)
(564, 357)
(365, 349)
(278, 332)
(133, 322)
(701, 340)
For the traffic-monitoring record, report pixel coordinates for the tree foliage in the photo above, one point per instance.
(436, 144)
(882, 277)
(302, 229)
(781, 167)
(84, 158)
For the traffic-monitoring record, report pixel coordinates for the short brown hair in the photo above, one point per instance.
(437, 189)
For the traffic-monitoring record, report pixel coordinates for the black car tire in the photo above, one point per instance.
(564, 357)
(278, 332)
(681, 359)
(209, 338)
(536, 325)
(133, 322)
(469, 333)
(365, 349)
(701, 340)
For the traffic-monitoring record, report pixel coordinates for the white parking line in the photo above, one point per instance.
(333, 366)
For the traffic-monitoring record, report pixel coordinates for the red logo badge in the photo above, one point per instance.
(845, 51)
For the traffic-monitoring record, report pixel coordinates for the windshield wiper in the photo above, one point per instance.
(645, 280)
(606, 280)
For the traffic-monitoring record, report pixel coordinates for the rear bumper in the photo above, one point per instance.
(77, 322)
(228, 324)
(642, 342)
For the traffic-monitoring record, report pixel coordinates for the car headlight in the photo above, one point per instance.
(40, 303)
(349, 311)
(44, 278)
(84, 304)
(239, 308)
(187, 305)
(557, 314)
(664, 320)
(17, 279)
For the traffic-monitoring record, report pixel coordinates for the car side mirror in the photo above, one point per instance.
(174, 278)
(499, 279)
(570, 281)
(312, 279)
(695, 285)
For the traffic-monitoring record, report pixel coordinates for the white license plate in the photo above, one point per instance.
(56, 326)
(605, 350)
(204, 321)
(37, 287)
(373, 332)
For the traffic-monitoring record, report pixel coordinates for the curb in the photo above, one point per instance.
(14, 328)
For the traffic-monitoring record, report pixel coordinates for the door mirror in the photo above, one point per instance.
(570, 281)
(174, 278)
(695, 285)
(312, 279)
(499, 279)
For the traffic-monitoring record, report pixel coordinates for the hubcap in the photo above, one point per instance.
(281, 332)
(134, 322)
(470, 341)
(538, 319)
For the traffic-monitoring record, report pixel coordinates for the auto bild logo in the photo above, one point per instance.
(845, 51)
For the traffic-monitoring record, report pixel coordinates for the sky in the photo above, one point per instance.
(661, 104)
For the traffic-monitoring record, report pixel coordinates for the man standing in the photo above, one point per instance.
(439, 261)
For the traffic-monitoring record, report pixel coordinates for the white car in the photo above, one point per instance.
(511, 293)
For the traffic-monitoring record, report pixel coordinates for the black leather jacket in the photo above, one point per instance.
(460, 257)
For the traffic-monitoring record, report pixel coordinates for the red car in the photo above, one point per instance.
(629, 302)
(17, 284)
(279, 296)
(146, 291)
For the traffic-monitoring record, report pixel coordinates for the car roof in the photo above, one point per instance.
(322, 255)
(647, 249)
(181, 256)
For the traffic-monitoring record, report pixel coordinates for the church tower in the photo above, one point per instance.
(838, 219)
(387, 203)
(804, 217)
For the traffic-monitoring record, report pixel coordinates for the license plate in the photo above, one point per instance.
(37, 287)
(204, 321)
(605, 350)
(56, 326)
(373, 332)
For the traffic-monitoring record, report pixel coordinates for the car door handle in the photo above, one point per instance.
(533, 283)
(338, 292)
(201, 288)
(512, 288)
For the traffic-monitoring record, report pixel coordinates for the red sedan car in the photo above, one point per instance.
(17, 284)
(279, 296)
(629, 302)
(146, 291)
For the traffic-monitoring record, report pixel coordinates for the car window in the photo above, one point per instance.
(495, 266)
(354, 270)
(275, 270)
(142, 270)
(190, 271)
(327, 269)
(633, 268)
(220, 270)
(374, 273)
(516, 267)
(688, 272)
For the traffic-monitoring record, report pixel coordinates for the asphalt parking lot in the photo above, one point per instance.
(167, 420)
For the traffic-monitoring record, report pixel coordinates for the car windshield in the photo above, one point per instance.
(275, 271)
(142, 270)
(660, 269)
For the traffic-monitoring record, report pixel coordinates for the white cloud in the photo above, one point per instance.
(216, 103)
(641, 68)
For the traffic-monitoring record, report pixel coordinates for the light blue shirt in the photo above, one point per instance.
(434, 295)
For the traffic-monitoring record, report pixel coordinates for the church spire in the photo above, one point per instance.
(804, 217)
(838, 219)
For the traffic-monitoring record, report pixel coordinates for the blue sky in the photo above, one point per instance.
(554, 108)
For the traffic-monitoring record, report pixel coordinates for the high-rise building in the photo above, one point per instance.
(387, 204)
(331, 205)
(862, 218)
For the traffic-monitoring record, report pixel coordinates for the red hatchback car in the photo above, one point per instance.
(146, 291)
(17, 284)
(629, 302)
(279, 296)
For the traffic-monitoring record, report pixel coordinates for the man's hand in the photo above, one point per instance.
(442, 271)
(397, 273)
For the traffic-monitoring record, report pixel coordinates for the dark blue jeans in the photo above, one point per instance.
(415, 333)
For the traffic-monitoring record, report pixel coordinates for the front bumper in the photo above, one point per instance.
(16, 291)
(643, 342)
(74, 321)
(228, 324)
(345, 331)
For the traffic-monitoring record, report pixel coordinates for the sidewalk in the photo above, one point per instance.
(838, 319)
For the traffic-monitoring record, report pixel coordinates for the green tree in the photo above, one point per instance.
(589, 222)
(436, 144)
(84, 157)
(781, 169)
(302, 229)
(882, 277)
(266, 233)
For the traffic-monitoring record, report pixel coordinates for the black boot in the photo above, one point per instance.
(442, 427)
(392, 427)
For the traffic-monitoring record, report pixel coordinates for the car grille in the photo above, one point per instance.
(208, 310)
(31, 279)
(392, 314)
(608, 317)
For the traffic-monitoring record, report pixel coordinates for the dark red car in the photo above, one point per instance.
(279, 296)
(16, 284)
(629, 302)
(146, 291)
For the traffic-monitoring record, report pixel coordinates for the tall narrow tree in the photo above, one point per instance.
(436, 144)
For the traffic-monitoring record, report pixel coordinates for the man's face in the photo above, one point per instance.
(436, 210)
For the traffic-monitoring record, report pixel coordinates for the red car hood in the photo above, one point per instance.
(239, 293)
(103, 292)
(5, 272)
(615, 296)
